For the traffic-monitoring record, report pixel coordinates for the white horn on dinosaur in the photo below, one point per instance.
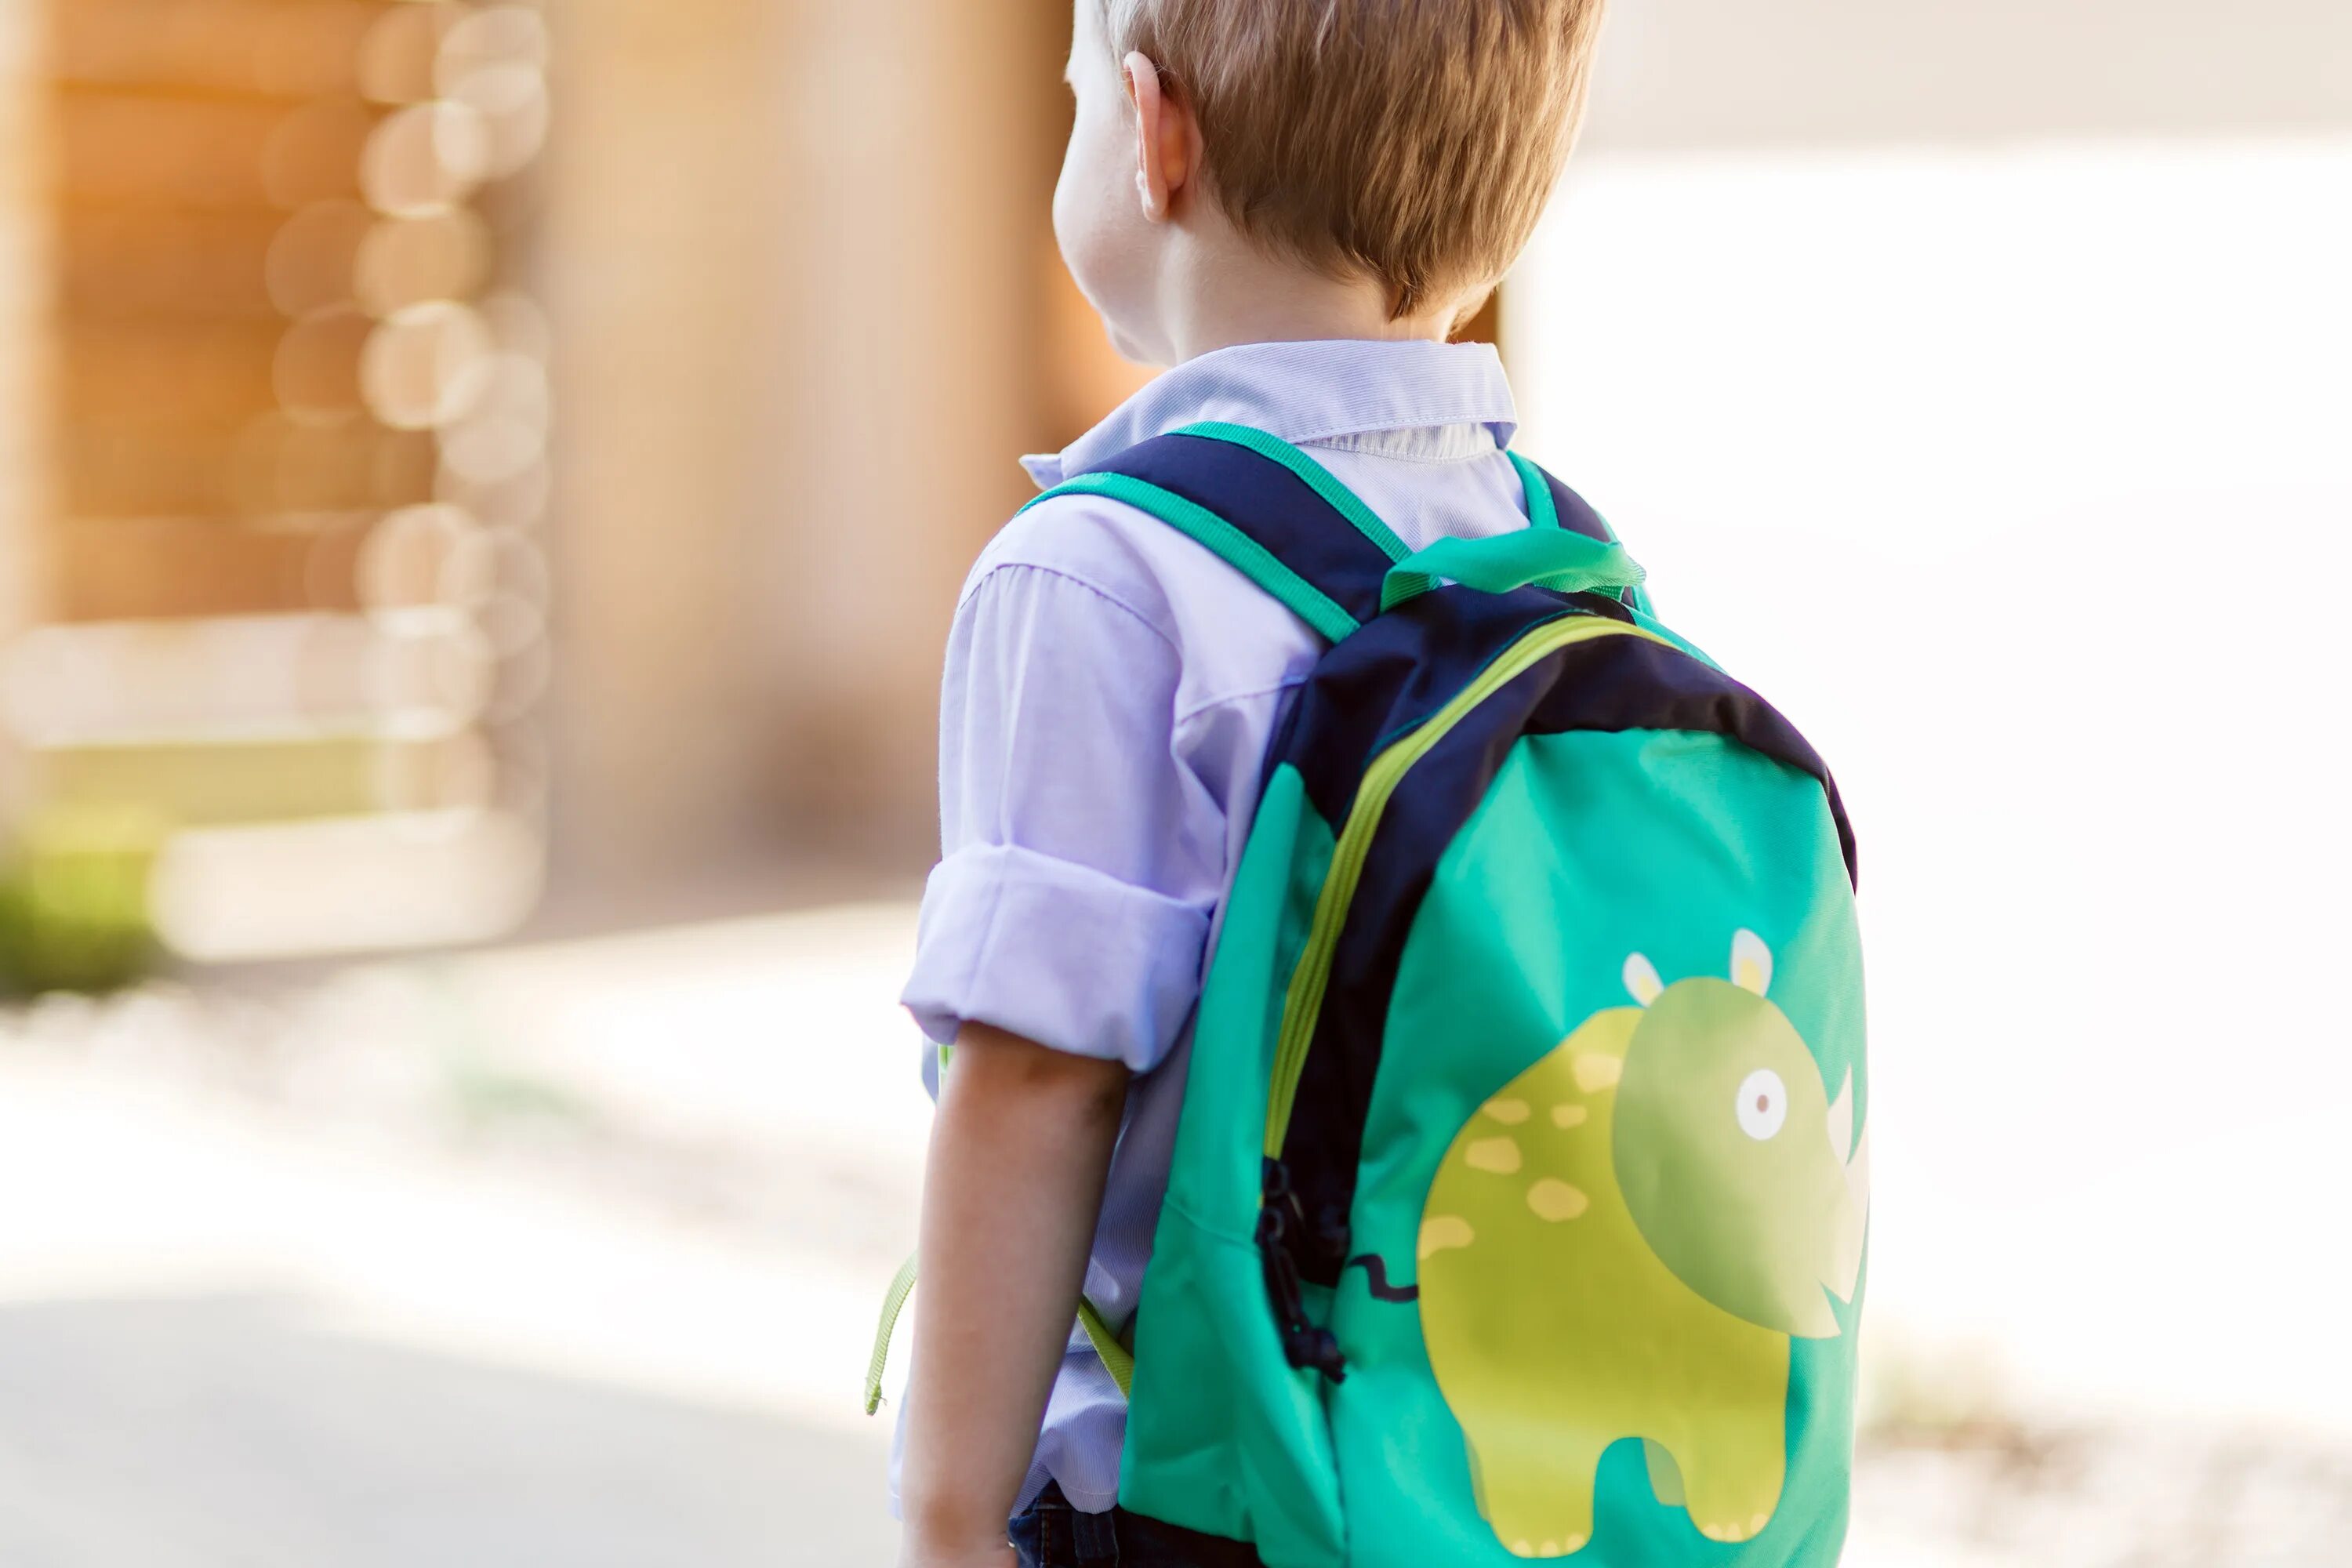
(1641, 980)
(1751, 962)
(1841, 1120)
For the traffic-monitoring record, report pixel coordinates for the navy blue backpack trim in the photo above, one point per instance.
(1272, 505)
(1573, 511)
(1398, 671)
(1280, 511)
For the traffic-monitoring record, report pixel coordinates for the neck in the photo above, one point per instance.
(1216, 293)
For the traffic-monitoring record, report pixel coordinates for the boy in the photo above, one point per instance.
(1291, 201)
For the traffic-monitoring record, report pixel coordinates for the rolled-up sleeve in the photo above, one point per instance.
(1081, 858)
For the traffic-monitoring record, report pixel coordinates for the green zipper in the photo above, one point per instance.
(1304, 1000)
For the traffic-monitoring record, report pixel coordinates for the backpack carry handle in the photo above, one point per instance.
(1555, 558)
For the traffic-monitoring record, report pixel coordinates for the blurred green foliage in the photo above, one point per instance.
(74, 903)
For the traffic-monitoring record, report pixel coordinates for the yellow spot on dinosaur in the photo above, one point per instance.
(1500, 1155)
(1522, 1549)
(1441, 1231)
(1510, 1112)
(1573, 1544)
(1595, 1071)
(1554, 1199)
(1548, 1549)
(1756, 1525)
(1567, 1115)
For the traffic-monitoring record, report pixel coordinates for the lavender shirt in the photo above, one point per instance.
(1110, 690)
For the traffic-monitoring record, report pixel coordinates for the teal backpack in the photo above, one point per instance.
(1518, 1202)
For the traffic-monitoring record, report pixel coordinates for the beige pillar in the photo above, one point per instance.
(913, 368)
(793, 256)
(657, 260)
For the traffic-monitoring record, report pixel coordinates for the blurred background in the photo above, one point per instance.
(484, 487)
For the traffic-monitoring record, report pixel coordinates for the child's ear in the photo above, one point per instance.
(1166, 148)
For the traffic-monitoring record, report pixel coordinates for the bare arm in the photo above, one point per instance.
(1019, 1149)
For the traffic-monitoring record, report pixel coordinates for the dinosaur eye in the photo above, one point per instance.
(1763, 1104)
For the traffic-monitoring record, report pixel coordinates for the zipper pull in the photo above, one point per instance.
(1304, 1344)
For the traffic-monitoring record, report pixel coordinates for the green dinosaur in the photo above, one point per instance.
(1620, 1243)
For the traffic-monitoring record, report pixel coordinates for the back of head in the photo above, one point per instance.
(1414, 141)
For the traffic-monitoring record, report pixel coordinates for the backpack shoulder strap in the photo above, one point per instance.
(1267, 509)
(1551, 504)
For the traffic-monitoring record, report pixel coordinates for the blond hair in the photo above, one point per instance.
(1414, 141)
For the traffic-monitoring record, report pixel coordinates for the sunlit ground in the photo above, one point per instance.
(570, 1256)
(560, 1256)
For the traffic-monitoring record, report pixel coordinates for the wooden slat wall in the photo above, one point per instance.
(25, 271)
(280, 346)
(189, 133)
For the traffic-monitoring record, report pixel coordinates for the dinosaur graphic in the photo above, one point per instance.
(1620, 1243)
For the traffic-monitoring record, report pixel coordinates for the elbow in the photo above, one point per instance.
(994, 1066)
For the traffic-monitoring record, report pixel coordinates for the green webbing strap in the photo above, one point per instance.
(894, 1301)
(1555, 558)
(1542, 510)
(1116, 1358)
(1244, 554)
(1318, 478)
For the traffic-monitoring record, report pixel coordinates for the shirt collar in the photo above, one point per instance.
(1304, 393)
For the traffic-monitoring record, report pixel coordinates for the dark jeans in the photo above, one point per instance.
(1053, 1534)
